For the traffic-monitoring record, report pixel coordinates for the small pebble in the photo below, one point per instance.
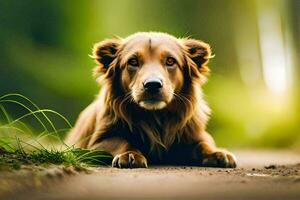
(271, 167)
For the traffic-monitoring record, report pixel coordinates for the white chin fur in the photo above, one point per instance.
(152, 106)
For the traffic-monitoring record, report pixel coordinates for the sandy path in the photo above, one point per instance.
(249, 181)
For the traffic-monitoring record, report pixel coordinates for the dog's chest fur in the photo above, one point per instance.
(153, 133)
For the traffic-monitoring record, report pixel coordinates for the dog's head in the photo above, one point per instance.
(152, 67)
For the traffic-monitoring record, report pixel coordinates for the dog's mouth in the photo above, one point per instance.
(152, 101)
(152, 104)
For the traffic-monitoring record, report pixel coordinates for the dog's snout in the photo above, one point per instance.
(153, 85)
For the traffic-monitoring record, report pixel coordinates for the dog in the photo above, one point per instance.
(150, 109)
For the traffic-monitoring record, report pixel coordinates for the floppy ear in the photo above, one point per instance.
(105, 53)
(199, 52)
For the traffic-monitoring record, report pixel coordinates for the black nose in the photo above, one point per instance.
(152, 85)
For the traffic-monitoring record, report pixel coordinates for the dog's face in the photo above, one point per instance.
(151, 69)
(152, 66)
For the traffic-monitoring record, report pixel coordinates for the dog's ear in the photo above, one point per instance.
(198, 52)
(105, 53)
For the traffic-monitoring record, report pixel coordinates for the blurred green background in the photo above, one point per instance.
(253, 88)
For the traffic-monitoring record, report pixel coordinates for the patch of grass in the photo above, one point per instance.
(78, 158)
(20, 145)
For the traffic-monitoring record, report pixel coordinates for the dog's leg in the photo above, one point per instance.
(125, 156)
(210, 156)
(207, 154)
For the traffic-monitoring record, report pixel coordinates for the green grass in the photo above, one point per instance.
(78, 158)
(21, 145)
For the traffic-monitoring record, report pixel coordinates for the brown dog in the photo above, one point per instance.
(150, 108)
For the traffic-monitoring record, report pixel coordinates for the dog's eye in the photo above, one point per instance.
(133, 62)
(170, 61)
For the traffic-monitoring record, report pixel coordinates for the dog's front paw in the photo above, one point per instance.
(219, 158)
(130, 159)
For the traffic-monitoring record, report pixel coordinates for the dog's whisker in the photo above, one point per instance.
(180, 98)
(183, 98)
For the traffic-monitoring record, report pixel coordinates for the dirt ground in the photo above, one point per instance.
(260, 175)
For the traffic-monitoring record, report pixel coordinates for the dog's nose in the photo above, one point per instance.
(153, 85)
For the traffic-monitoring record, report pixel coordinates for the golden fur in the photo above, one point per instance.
(138, 128)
